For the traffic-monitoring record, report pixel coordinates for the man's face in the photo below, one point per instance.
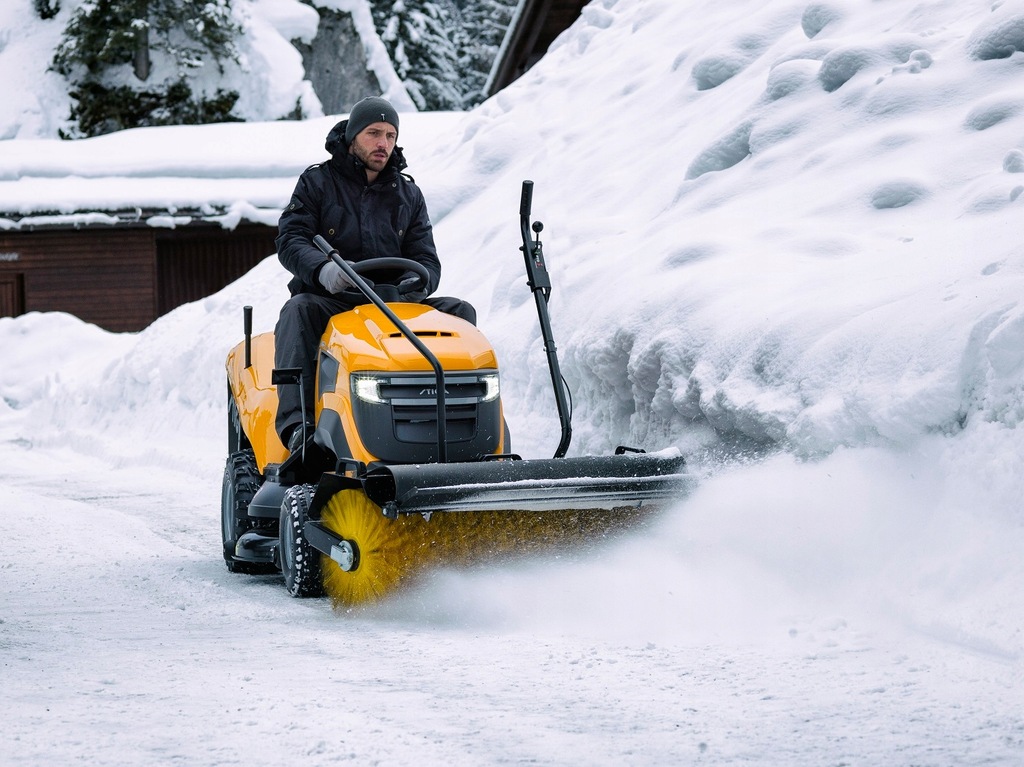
(374, 145)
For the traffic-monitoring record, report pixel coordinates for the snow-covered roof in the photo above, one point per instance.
(225, 173)
(168, 176)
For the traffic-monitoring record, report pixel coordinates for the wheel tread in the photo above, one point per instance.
(300, 562)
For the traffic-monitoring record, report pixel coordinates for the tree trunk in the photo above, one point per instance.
(141, 62)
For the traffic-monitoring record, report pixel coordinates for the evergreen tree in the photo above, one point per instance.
(443, 49)
(485, 23)
(423, 40)
(111, 49)
(46, 9)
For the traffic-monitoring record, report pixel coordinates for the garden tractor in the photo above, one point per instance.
(410, 464)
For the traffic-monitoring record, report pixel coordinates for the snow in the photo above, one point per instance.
(268, 76)
(784, 239)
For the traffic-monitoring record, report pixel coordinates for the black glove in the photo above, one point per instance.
(411, 287)
(408, 281)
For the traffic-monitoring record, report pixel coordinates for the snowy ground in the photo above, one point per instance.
(124, 641)
(785, 239)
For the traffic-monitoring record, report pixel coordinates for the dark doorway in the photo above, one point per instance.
(12, 295)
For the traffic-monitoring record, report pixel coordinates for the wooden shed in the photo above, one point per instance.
(122, 228)
(122, 276)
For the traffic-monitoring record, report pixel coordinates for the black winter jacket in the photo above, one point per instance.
(384, 219)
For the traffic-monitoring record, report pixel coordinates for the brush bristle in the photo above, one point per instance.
(392, 552)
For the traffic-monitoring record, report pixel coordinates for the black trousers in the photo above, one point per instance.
(302, 321)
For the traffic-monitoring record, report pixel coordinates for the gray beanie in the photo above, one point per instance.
(366, 112)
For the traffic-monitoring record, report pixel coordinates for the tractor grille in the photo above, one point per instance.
(396, 415)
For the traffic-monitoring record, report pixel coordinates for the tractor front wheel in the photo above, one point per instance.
(300, 562)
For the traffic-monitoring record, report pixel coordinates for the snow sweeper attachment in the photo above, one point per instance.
(409, 462)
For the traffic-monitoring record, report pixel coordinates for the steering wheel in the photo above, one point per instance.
(405, 264)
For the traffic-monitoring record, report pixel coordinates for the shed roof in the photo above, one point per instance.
(534, 26)
(171, 176)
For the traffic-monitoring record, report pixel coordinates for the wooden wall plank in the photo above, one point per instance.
(122, 278)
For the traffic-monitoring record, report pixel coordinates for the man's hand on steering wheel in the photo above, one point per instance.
(410, 282)
(411, 285)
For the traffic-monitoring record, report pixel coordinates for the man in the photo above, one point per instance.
(363, 205)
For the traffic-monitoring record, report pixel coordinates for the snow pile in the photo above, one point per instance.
(35, 102)
(762, 249)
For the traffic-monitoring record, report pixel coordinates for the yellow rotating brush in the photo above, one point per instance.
(390, 553)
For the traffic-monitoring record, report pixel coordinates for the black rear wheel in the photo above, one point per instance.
(241, 481)
(237, 440)
(300, 562)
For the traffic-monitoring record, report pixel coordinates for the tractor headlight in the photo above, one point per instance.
(491, 388)
(367, 388)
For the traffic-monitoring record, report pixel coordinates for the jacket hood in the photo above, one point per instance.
(338, 147)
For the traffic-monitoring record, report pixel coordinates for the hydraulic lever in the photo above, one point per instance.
(540, 283)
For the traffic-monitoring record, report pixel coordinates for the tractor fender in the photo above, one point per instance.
(330, 434)
(267, 501)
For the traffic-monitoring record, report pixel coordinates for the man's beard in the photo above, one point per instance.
(371, 160)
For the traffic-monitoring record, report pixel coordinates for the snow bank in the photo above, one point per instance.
(37, 104)
(794, 224)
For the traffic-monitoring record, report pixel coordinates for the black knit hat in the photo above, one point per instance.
(366, 112)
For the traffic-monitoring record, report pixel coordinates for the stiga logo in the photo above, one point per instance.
(432, 392)
(10, 257)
